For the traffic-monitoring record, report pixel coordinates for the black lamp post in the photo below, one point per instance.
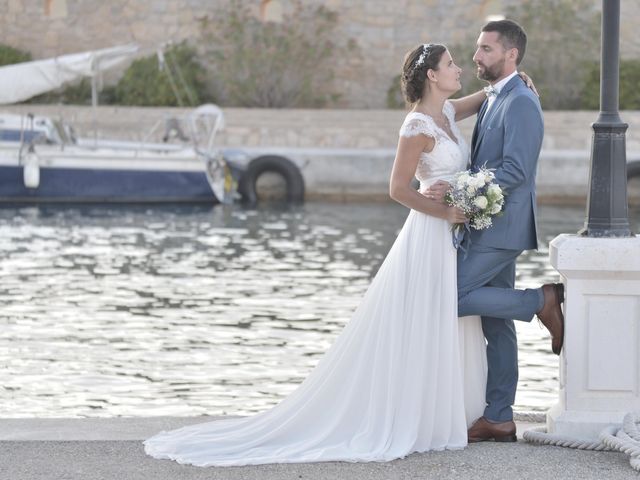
(607, 209)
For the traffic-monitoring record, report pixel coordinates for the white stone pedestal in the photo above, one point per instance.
(600, 360)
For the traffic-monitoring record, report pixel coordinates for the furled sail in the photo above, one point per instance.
(22, 81)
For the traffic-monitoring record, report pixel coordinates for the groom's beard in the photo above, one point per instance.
(492, 73)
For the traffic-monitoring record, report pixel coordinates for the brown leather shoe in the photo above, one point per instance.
(551, 314)
(484, 431)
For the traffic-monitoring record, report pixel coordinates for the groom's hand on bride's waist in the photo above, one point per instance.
(437, 191)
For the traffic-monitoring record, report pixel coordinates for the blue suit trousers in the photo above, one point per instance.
(486, 278)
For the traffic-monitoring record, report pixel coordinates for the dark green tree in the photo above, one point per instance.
(394, 94)
(629, 81)
(144, 83)
(10, 55)
(563, 42)
(288, 63)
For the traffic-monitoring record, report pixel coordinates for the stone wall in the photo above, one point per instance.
(383, 30)
(337, 129)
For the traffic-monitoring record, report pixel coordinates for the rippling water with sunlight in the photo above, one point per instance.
(189, 310)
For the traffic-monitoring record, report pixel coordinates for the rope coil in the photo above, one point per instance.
(613, 438)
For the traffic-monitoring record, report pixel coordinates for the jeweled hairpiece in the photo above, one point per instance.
(426, 50)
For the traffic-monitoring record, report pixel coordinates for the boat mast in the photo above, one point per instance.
(94, 100)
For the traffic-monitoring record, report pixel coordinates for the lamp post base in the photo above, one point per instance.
(600, 361)
(580, 425)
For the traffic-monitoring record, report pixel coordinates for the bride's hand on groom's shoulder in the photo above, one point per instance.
(436, 191)
(529, 82)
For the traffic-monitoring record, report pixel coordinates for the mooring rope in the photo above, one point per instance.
(613, 438)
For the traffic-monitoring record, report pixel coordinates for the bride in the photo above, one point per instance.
(405, 375)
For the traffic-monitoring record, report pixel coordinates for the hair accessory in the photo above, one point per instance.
(426, 50)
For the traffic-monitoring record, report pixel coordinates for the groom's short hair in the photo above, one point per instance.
(511, 36)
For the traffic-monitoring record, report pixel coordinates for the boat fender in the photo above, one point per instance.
(275, 164)
(31, 171)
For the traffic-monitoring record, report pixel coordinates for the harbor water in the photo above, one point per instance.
(193, 310)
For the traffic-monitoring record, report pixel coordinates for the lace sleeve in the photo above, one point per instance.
(413, 126)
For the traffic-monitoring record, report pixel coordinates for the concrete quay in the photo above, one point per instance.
(347, 155)
(111, 448)
(363, 174)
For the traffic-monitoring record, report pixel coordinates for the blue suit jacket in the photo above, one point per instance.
(508, 139)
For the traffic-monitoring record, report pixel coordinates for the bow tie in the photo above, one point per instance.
(490, 91)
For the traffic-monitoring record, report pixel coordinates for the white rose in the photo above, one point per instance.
(495, 208)
(471, 189)
(463, 179)
(495, 191)
(479, 181)
(481, 202)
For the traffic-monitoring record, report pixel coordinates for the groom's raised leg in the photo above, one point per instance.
(501, 302)
(479, 292)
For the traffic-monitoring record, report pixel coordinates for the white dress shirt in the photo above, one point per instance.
(498, 87)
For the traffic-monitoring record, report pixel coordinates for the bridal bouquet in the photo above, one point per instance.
(478, 196)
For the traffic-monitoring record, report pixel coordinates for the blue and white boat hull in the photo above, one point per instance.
(83, 174)
(93, 185)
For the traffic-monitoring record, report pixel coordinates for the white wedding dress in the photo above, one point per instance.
(405, 375)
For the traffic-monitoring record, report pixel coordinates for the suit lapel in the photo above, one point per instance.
(476, 129)
(478, 133)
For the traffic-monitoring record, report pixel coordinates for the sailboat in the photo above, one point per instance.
(42, 159)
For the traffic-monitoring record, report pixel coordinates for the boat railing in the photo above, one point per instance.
(197, 129)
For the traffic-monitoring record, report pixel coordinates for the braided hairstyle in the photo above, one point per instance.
(414, 72)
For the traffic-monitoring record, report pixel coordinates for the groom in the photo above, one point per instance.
(507, 138)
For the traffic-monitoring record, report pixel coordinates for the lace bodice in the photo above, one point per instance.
(447, 156)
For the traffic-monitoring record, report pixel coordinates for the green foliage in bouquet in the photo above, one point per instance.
(477, 195)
